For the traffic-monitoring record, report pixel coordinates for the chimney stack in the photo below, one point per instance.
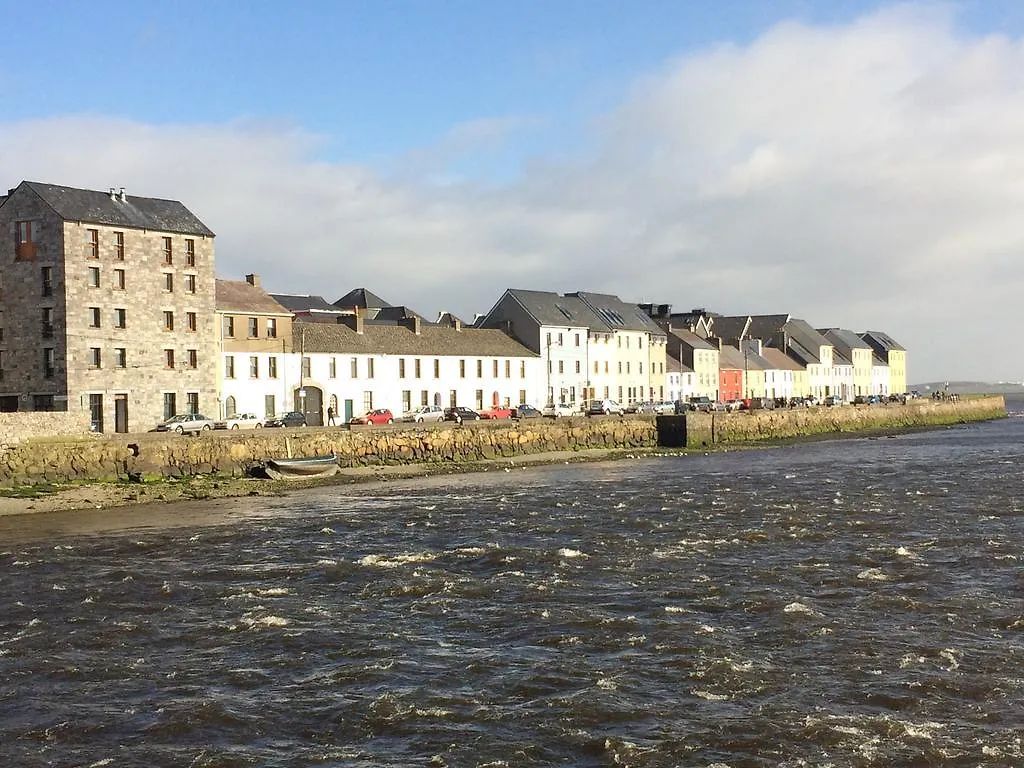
(124, 199)
(354, 321)
(113, 193)
(253, 280)
(413, 323)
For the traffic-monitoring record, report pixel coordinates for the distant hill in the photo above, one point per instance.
(971, 387)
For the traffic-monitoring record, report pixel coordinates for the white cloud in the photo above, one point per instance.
(869, 175)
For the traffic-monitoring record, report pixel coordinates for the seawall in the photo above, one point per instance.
(84, 458)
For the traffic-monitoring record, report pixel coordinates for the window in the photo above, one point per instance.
(229, 367)
(577, 366)
(168, 282)
(169, 358)
(577, 339)
(595, 366)
(272, 367)
(271, 328)
(437, 368)
(28, 237)
(369, 368)
(168, 251)
(47, 322)
(424, 397)
(48, 363)
(193, 358)
(307, 367)
(119, 246)
(508, 369)
(559, 339)
(92, 250)
(495, 366)
(406, 400)
(120, 357)
(95, 357)
(192, 322)
(367, 401)
(416, 367)
(120, 318)
(332, 368)
(46, 278)
(45, 402)
(254, 328)
(190, 283)
(462, 369)
(522, 372)
(230, 406)
(190, 253)
(94, 277)
(168, 321)
(229, 327)
(561, 366)
(479, 369)
(269, 405)
(522, 395)
(479, 399)
(94, 317)
(254, 367)
(119, 279)
(193, 402)
(401, 368)
(354, 367)
(170, 405)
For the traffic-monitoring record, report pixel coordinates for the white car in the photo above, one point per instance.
(240, 421)
(557, 410)
(424, 413)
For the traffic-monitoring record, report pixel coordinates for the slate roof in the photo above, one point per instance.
(400, 340)
(881, 341)
(838, 358)
(297, 303)
(547, 308)
(844, 341)
(94, 207)
(803, 337)
(396, 314)
(362, 298)
(763, 326)
(733, 327)
(617, 314)
(731, 358)
(692, 339)
(242, 296)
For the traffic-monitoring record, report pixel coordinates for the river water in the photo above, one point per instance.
(856, 602)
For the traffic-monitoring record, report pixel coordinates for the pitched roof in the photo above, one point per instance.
(396, 314)
(617, 314)
(94, 207)
(731, 358)
(547, 308)
(362, 298)
(298, 303)
(242, 296)
(691, 339)
(733, 327)
(780, 361)
(400, 340)
(882, 341)
(844, 341)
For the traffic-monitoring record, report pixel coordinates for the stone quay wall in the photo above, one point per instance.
(58, 459)
(19, 426)
(704, 430)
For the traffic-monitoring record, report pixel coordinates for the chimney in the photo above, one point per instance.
(354, 321)
(253, 280)
(413, 324)
(456, 323)
(124, 199)
(113, 194)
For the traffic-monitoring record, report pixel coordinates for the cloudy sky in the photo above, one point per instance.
(854, 164)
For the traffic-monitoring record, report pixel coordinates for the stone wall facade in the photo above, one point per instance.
(20, 427)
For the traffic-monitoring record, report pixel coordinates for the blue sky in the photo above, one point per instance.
(689, 152)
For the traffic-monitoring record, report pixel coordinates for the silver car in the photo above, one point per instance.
(185, 422)
(424, 413)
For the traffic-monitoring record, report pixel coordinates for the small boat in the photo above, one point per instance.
(308, 468)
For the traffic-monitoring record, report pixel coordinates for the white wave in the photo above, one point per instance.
(706, 629)
(101, 763)
(677, 609)
(566, 552)
(59, 588)
(471, 551)
(265, 621)
(383, 561)
(909, 659)
(904, 552)
(953, 656)
(328, 531)
(607, 684)
(797, 607)
(326, 562)
(708, 696)
(872, 574)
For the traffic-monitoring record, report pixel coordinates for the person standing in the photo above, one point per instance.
(330, 416)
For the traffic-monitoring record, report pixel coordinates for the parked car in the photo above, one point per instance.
(290, 419)
(557, 410)
(833, 400)
(185, 422)
(525, 411)
(681, 406)
(376, 416)
(599, 407)
(665, 407)
(700, 403)
(811, 401)
(460, 413)
(240, 421)
(496, 412)
(736, 405)
(424, 413)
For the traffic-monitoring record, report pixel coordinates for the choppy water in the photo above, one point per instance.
(847, 603)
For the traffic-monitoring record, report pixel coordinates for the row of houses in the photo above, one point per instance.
(109, 303)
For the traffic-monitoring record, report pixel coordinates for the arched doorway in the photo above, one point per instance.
(437, 399)
(495, 399)
(230, 407)
(310, 401)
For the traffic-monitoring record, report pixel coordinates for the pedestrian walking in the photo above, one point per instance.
(330, 417)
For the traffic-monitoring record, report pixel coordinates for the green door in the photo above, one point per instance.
(348, 411)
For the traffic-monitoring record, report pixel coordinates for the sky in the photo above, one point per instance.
(854, 164)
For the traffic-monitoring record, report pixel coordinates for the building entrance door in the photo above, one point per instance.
(348, 411)
(120, 413)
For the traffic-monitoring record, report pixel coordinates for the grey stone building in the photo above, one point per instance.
(107, 305)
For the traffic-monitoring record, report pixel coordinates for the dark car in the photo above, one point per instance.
(525, 412)
(290, 419)
(459, 414)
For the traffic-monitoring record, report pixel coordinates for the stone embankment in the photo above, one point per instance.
(61, 459)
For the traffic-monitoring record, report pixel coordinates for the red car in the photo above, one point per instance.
(376, 416)
(496, 412)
